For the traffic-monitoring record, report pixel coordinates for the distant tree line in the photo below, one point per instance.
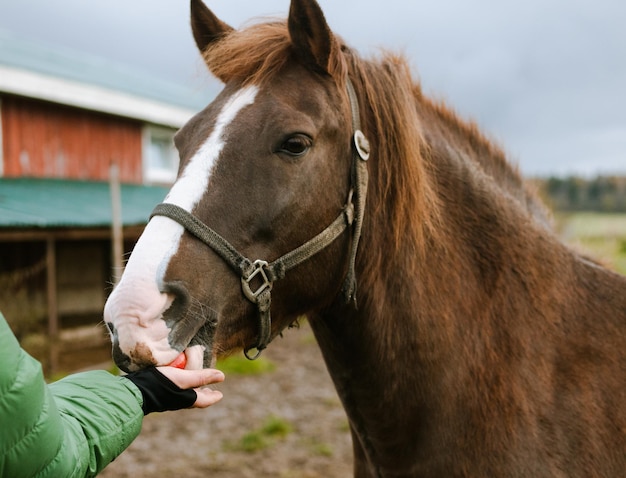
(600, 194)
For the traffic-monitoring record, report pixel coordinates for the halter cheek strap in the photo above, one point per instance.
(361, 153)
(257, 277)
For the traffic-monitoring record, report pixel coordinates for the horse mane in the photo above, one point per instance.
(402, 191)
(487, 156)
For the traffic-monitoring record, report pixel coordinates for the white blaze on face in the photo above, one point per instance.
(136, 305)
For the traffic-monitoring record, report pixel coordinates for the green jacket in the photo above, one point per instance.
(70, 428)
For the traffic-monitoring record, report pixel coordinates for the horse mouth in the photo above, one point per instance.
(191, 334)
(194, 334)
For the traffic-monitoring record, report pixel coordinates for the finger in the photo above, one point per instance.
(207, 397)
(207, 376)
(192, 378)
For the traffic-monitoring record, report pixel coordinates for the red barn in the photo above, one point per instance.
(68, 123)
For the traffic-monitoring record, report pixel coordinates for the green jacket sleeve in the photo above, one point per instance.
(71, 428)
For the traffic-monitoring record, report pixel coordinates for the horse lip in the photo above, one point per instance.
(183, 332)
(190, 329)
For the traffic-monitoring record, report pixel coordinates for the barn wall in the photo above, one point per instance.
(42, 139)
(83, 272)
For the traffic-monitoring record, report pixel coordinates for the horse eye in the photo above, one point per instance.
(295, 145)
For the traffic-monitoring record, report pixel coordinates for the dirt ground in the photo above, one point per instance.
(281, 424)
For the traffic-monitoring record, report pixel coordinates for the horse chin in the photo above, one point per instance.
(229, 342)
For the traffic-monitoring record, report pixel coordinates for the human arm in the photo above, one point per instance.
(73, 427)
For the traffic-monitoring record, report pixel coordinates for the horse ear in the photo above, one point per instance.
(310, 34)
(206, 27)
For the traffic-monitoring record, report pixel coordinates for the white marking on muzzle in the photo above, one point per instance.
(136, 306)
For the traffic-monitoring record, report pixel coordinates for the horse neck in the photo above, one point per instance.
(421, 298)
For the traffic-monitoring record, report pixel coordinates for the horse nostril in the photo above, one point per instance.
(111, 327)
(185, 316)
(180, 299)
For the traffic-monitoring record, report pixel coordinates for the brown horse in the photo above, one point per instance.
(479, 345)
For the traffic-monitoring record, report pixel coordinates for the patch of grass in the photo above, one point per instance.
(590, 224)
(607, 250)
(59, 374)
(322, 449)
(252, 442)
(113, 370)
(317, 447)
(307, 338)
(602, 236)
(274, 428)
(344, 425)
(56, 376)
(332, 402)
(238, 365)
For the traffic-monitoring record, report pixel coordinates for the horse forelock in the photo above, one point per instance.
(254, 55)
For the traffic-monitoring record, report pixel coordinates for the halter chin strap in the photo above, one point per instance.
(257, 277)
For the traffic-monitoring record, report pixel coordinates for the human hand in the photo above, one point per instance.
(170, 388)
(196, 380)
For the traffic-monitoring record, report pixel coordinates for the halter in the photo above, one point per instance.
(257, 277)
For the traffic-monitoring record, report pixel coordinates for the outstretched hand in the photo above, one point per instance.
(196, 380)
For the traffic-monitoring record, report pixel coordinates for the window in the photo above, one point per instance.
(160, 158)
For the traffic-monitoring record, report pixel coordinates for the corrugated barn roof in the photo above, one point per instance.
(65, 76)
(44, 203)
(74, 65)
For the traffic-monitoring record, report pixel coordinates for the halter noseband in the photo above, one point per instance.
(260, 271)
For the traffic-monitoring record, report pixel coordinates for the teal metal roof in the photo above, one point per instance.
(84, 68)
(43, 203)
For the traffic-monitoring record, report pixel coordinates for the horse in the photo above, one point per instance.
(463, 337)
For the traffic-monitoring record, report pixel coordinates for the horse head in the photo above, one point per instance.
(267, 169)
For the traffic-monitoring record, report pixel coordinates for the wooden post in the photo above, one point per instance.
(117, 238)
(53, 312)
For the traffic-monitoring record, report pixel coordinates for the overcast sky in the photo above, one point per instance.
(545, 78)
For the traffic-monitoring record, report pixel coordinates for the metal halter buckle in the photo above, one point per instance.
(259, 270)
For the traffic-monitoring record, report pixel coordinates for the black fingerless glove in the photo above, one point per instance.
(159, 392)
